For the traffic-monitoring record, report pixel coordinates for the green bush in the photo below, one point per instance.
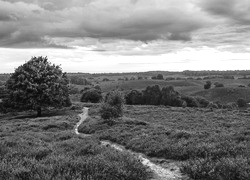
(113, 105)
(207, 85)
(191, 101)
(202, 101)
(219, 85)
(134, 97)
(91, 95)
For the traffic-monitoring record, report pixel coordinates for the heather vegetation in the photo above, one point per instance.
(197, 120)
(207, 144)
(47, 148)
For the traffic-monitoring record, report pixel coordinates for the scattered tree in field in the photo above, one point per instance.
(113, 105)
(38, 84)
(159, 76)
(91, 95)
(241, 102)
(207, 85)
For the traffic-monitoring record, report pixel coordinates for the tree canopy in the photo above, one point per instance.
(37, 84)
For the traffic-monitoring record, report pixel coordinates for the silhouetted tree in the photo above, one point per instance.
(37, 84)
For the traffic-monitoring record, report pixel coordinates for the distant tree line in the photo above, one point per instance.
(154, 95)
(78, 80)
(209, 73)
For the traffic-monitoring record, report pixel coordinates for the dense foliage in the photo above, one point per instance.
(37, 84)
(167, 96)
(113, 105)
(91, 95)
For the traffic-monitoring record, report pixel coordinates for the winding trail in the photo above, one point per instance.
(170, 173)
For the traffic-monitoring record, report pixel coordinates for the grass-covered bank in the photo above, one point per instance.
(47, 148)
(211, 144)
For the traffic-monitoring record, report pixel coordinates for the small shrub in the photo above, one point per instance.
(212, 105)
(207, 85)
(202, 101)
(113, 105)
(219, 85)
(241, 102)
(105, 79)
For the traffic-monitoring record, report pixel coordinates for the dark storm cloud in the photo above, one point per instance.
(31, 22)
(236, 10)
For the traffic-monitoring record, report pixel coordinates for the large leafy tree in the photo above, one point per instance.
(38, 84)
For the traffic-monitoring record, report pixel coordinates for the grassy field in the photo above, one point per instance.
(47, 148)
(209, 144)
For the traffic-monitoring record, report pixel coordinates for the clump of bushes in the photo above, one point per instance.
(134, 97)
(202, 101)
(219, 85)
(167, 96)
(113, 105)
(91, 95)
(191, 101)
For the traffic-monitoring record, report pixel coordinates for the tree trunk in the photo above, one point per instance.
(39, 112)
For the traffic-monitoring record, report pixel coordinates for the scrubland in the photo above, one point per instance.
(47, 148)
(207, 144)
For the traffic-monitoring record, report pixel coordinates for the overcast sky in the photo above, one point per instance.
(126, 35)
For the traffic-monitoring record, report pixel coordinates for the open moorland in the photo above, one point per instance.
(47, 148)
(203, 142)
(206, 144)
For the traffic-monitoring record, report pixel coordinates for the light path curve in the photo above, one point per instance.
(160, 173)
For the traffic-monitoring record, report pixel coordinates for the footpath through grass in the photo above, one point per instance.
(46, 148)
(210, 144)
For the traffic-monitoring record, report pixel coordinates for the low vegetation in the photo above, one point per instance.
(47, 148)
(210, 144)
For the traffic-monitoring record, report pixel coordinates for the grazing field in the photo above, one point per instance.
(208, 144)
(47, 148)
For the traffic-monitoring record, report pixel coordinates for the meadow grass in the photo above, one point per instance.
(212, 144)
